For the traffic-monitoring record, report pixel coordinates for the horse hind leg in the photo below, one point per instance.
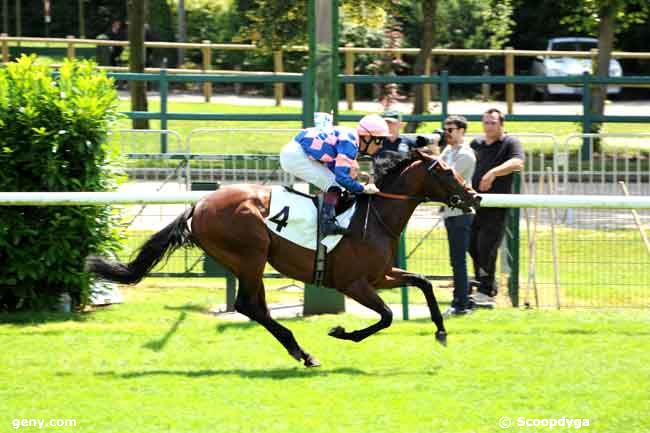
(365, 294)
(251, 302)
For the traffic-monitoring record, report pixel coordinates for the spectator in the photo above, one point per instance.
(390, 96)
(116, 33)
(498, 156)
(395, 141)
(458, 224)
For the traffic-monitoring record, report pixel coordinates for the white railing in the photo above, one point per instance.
(489, 200)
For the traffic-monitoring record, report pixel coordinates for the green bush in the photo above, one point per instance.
(53, 138)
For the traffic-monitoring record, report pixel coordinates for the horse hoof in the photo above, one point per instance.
(311, 362)
(441, 337)
(336, 332)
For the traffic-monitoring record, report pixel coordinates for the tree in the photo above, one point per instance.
(424, 56)
(182, 30)
(138, 89)
(607, 18)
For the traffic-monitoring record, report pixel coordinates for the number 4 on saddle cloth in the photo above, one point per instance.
(294, 216)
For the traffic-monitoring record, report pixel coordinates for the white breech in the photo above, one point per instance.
(294, 160)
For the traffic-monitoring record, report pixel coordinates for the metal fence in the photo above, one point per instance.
(567, 257)
(582, 257)
(588, 257)
(178, 171)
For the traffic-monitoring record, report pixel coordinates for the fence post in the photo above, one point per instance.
(71, 50)
(308, 102)
(278, 68)
(207, 65)
(510, 71)
(237, 86)
(586, 115)
(5, 49)
(164, 86)
(512, 244)
(349, 70)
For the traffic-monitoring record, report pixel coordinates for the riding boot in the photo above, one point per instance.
(328, 214)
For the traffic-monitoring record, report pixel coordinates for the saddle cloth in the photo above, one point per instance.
(293, 216)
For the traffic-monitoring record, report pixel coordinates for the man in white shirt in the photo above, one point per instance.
(458, 224)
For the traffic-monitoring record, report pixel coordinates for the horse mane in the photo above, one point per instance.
(389, 164)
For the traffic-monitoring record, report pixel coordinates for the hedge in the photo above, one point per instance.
(53, 138)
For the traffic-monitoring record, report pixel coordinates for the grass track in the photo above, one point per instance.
(159, 364)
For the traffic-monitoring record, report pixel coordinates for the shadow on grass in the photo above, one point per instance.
(277, 373)
(225, 326)
(158, 345)
(189, 308)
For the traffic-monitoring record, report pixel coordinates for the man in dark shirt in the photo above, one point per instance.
(395, 141)
(498, 156)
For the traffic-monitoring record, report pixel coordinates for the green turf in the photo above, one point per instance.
(158, 363)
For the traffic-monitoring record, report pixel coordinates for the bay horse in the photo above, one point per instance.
(228, 224)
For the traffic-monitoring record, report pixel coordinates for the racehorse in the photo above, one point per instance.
(228, 225)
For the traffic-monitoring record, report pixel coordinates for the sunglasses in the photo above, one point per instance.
(372, 139)
(450, 130)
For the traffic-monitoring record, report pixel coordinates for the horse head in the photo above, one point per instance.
(425, 175)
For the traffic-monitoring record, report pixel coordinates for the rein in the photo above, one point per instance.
(380, 219)
(400, 196)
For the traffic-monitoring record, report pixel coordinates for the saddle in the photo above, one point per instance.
(293, 215)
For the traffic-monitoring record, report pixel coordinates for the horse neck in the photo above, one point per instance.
(395, 212)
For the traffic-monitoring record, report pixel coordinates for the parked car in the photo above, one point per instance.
(553, 66)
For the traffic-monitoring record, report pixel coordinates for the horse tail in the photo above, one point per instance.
(157, 247)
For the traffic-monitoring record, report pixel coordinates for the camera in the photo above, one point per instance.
(436, 137)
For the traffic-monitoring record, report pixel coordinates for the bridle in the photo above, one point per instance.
(454, 199)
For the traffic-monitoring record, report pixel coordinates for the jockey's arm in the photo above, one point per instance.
(345, 160)
(342, 174)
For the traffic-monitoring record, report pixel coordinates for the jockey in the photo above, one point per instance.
(325, 157)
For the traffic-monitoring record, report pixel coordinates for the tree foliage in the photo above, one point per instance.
(275, 24)
(586, 16)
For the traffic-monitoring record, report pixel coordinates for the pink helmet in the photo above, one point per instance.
(374, 125)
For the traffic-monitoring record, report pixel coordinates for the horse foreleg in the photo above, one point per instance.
(397, 277)
(362, 292)
(251, 302)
